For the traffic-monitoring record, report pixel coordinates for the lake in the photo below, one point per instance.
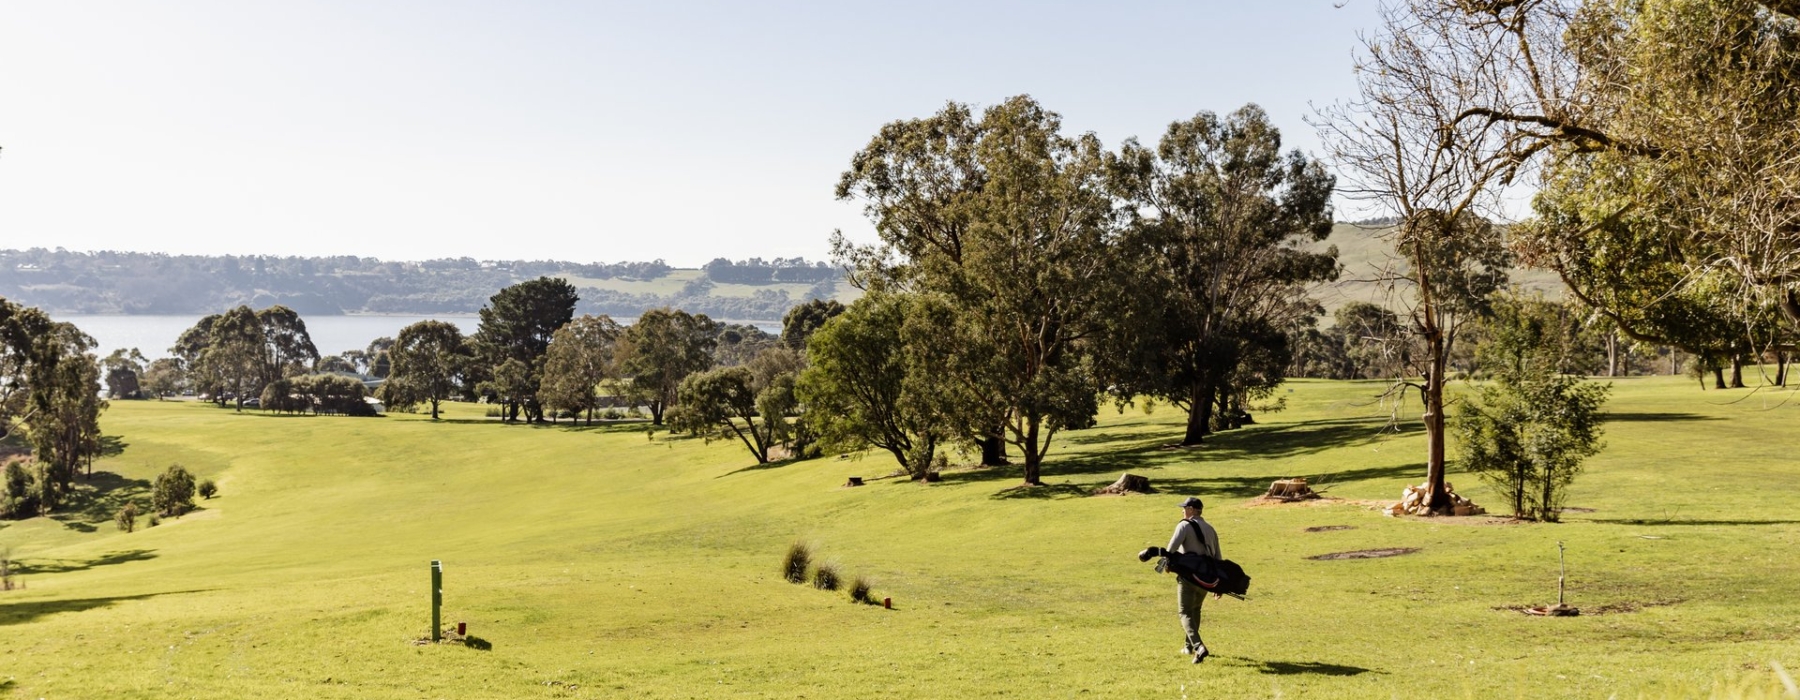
(153, 335)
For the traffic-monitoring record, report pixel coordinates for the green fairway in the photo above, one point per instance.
(596, 562)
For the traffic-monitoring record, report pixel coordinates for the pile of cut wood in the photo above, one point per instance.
(1415, 501)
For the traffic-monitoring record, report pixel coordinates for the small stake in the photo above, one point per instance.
(887, 603)
(1561, 569)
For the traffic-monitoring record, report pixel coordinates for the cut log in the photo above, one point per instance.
(1128, 483)
(854, 481)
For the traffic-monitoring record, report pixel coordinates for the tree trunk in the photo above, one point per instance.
(1718, 377)
(1737, 372)
(1199, 415)
(434, 409)
(1612, 354)
(656, 413)
(993, 451)
(1034, 457)
(1438, 497)
(1781, 360)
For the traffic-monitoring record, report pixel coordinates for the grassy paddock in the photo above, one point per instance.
(593, 562)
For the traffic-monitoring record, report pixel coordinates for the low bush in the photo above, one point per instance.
(127, 517)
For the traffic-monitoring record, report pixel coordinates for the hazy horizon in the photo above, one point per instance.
(585, 132)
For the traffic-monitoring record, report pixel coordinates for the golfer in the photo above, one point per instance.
(1193, 536)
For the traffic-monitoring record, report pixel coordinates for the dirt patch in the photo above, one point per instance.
(1629, 606)
(1625, 606)
(1261, 501)
(1365, 554)
(1330, 528)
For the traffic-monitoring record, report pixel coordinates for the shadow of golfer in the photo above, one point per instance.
(1294, 668)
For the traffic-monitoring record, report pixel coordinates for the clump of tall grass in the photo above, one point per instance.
(825, 578)
(797, 561)
(860, 590)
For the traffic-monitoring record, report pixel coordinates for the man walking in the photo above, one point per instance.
(1193, 536)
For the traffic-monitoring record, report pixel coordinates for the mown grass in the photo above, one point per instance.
(594, 562)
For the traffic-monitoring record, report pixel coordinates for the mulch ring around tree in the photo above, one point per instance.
(1365, 554)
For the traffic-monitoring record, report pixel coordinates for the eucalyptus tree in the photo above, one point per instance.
(516, 326)
(874, 379)
(429, 363)
(580, 358)
(235, 354)
(1217, 216)
(660, 350)
(1401, 147)
(287, 348)
(749, 402)
(123, 370)
(1008, 218)
(63, 382)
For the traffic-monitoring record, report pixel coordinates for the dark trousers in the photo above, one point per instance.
(1191, 598)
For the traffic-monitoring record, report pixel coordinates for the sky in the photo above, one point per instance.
(581, 131)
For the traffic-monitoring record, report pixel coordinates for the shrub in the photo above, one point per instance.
(1527, 437)
(795, 564)
(173, 493)
(859, 591)
(127, 517)
(154, 521)
(208, 489)
(825, 578)
(18, 497)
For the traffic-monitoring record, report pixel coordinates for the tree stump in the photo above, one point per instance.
(1294, 489)
(854, 481)
(1128, 483)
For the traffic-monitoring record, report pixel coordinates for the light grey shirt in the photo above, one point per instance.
(1188, 539)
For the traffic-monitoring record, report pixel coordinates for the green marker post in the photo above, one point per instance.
(437, 598)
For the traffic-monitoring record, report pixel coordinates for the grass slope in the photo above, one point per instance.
(599, 563)
(1367, 255)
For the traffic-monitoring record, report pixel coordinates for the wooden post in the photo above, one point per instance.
(437, 599)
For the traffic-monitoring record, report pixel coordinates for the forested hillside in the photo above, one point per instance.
(107, 282)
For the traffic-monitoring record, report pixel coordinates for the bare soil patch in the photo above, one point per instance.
(1330, 528)
(1365, 554)
(1624, 606)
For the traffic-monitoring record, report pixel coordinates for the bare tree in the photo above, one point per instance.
(1402, 146)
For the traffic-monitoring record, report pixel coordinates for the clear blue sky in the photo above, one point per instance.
(586, 131)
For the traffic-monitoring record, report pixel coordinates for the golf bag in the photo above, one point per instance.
(1221, 576)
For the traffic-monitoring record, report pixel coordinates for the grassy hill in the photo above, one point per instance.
(599, 562)
(1367, 255)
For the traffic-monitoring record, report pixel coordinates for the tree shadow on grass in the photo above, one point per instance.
(1687, 522)
(1262, 442)
(59, 566)
(112, 446)
(477, 643)
(1257, 485)
(1655, 417)
(20, 613)
(771, 464)
(1295, 668)
(96, 498)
